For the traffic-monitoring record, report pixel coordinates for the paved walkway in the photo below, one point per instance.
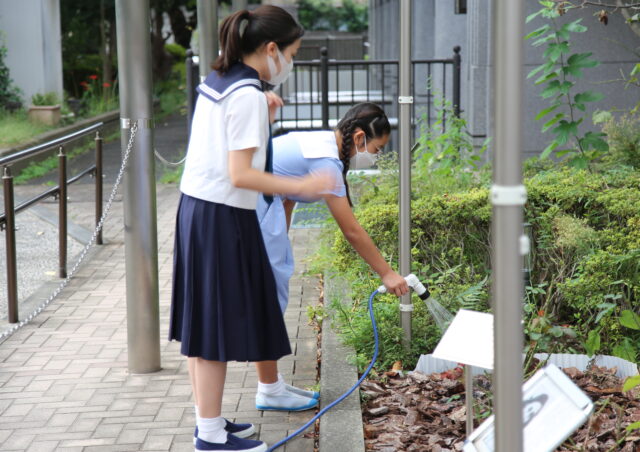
(64, 384)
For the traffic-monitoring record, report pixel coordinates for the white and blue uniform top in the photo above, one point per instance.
(298, 154)
(295, 154)
(225, 106)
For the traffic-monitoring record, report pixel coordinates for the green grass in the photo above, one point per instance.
(38, 169)
(16, 128)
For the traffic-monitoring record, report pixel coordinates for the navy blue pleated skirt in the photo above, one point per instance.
(224, 305)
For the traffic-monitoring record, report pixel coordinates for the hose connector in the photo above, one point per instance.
(413, 282)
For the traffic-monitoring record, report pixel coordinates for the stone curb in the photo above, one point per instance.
(341, 427)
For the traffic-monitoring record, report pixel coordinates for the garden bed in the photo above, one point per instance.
(419, 412)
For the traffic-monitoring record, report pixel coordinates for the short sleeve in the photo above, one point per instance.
(246, 118)
(334, 167)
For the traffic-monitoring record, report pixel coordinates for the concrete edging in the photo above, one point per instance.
(341, 427)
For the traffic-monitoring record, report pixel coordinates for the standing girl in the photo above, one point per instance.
(224, 301)
(355, 144)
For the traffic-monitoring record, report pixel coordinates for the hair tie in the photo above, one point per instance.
(243, 26)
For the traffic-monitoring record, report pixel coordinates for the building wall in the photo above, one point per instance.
(436, 29)
(31, 30)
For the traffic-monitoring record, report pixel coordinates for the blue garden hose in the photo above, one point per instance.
(346, 394)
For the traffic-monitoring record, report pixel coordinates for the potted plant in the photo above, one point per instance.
(45, 108)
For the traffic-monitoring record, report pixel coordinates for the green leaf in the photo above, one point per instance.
(636, 69)
(547, 67)
(630, 319)
(555, 50)
(556, 87)
(592, 140)
(632, 427)
(546, 77)
(530, 17)
(588, 96)
(546, 111)
(577, 62)
(593, 342)
(547, 125)
(548, 150)
(625, 350)
(538, 31)
(631, 383)
(565, 130)
(607, 308)
(575, 27)
(579, 161)
(601, 116)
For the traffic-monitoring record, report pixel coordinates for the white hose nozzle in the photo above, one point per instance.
(415, 284)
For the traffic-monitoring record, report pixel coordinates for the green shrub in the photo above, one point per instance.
(624, 139)
(585, 261)
(46, 99)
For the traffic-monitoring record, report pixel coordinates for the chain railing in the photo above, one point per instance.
(96, 236)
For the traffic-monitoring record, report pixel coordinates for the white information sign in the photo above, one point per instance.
(468, 340)
(553, 407)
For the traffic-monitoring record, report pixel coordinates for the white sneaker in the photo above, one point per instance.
(303, 392)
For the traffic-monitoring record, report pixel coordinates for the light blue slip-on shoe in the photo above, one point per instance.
(303, 392)
(288, 401)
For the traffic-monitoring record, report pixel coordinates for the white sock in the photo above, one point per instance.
(212, 429)
(271, 388)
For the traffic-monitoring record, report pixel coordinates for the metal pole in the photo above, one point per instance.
(207, 35)
(191, 88)
(62, 213)
(405, 101)
(10, 240)
(98, 185)
(324, 88)
(457, 65)
(468, 391)
(141, 241)
(508, 196)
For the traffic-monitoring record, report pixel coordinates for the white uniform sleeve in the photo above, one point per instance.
(246, 119)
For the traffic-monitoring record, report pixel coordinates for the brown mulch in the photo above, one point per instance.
(417, 412)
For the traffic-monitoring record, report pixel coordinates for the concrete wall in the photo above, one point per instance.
(436, 29)
(31, 31)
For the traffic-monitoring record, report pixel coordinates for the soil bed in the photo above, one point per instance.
(418, 412)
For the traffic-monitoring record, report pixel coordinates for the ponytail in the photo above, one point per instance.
(243, 32)
(372, 120)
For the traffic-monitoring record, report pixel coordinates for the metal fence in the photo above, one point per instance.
(319, 92)
(7, 219)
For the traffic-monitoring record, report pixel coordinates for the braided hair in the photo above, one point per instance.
(374, 123)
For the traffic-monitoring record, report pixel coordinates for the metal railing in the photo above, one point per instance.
(319, 92)
(7, 219)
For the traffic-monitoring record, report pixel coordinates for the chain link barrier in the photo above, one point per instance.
(167, 162)
(85, 250)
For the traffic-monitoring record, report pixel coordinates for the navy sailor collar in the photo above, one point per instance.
(216, 87)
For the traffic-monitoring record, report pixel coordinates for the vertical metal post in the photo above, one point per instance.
(405, 103)
(141, 241)
(191, 88)
(324, 86)
(62, 213)
(207, 35)
(99, 180)
(508, 196)
(457, 65)
(468, 390)
(10, 240)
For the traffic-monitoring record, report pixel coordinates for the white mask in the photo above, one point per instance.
(285, 69)
(364, 159)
